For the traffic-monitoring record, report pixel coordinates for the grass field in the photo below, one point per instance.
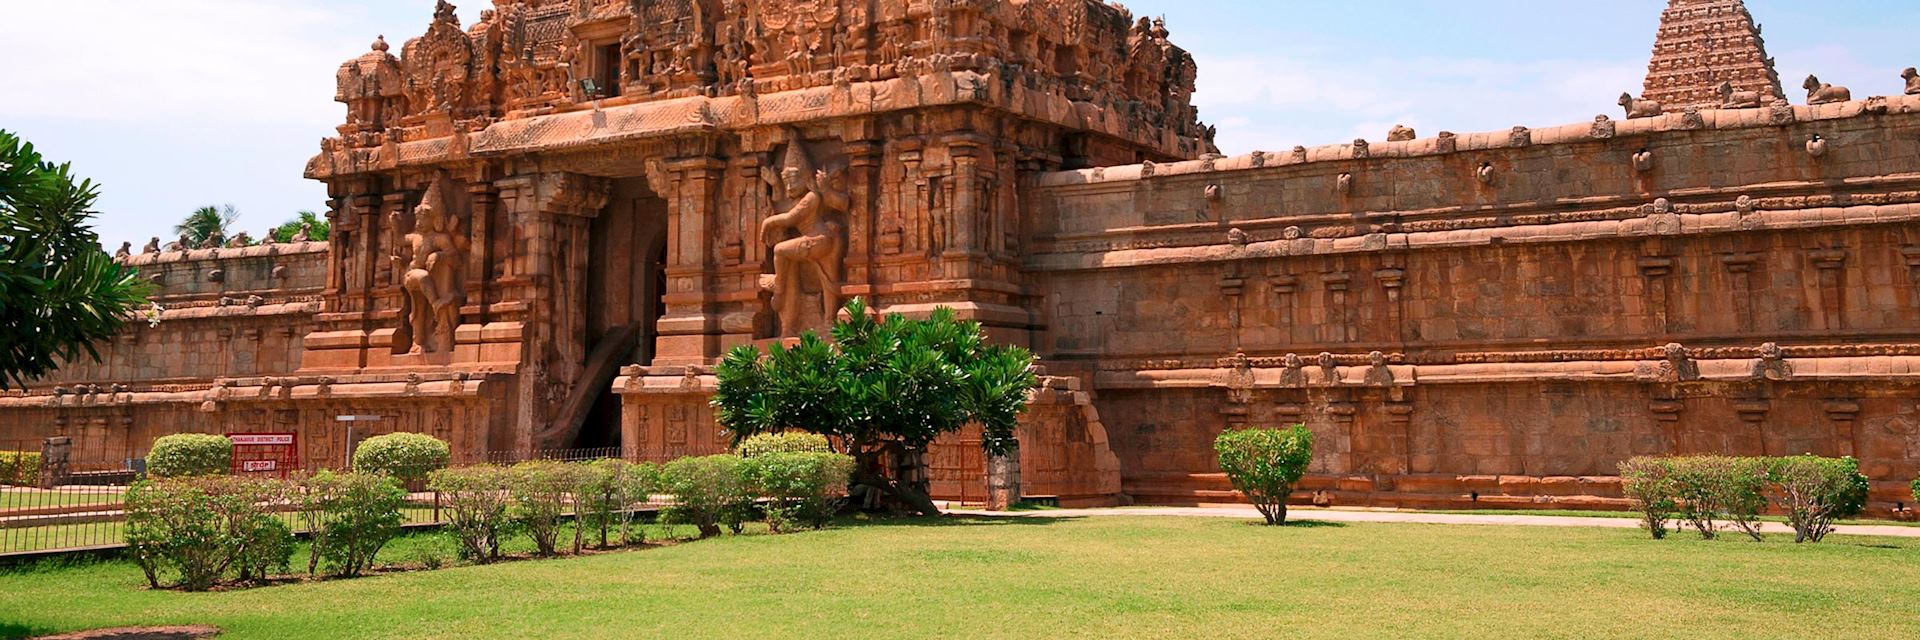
(1036, 577)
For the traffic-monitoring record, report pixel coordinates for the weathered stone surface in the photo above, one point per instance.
(1491, 318)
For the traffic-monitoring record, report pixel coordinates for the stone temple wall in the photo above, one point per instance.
(1503, 317)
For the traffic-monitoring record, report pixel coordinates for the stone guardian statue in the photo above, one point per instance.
(431, 302)
(808, 241)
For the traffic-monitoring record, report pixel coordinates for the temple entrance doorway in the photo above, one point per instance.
(626, 283)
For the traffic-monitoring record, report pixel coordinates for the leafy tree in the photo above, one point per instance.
(882, 390)
(318, 229)
(1264, 464)
(208, 222)
(59, 292)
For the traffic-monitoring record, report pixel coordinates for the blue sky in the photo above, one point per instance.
(178, 104)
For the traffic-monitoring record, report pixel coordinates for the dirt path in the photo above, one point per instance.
(1417, 517)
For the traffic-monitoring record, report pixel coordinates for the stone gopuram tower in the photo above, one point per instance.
(1701, 44)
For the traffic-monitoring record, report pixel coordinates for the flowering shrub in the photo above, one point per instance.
(20, 468)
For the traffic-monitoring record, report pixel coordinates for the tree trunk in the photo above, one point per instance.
(1003, 481)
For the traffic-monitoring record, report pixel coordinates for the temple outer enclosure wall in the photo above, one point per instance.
(548, 226)
(1502, 318)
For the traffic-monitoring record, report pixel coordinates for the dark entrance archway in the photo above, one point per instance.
(626, 282)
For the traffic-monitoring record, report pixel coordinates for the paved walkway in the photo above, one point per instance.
(1416, 517)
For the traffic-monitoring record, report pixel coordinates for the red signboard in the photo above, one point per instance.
(264, 453)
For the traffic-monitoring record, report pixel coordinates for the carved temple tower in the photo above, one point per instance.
(1701, 44)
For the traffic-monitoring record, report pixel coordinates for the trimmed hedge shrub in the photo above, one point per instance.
(1814, 491)
(788, 442)
(407, 457)
(1708, 491)
(205, 527)
(475, 500)
(708, 491)
(190, 454)
(20, 468)
(1648, 482)
(541, 491)
(1264, 464)
(351, 517)
(802, 487)
(604, 496)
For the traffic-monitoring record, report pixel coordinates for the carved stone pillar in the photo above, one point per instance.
(1832, 278)
(553, 213)
(690, 332)
(966, 197)
(863, 170)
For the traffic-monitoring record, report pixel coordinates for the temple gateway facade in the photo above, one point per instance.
(548, 225)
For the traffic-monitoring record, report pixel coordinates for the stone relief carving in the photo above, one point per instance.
(1772, 364)
(1816, 145)
(1678, 365)
(1822, 93)
(432, 255)
(1401, 133)
(807, 240)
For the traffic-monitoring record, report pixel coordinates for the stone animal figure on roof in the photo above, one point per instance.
(1401, 133)
(153, 246)
(1732, 99)
(1639, 108)
(1912, 76)
(1822, 93)
(431, 304)
(808, 240)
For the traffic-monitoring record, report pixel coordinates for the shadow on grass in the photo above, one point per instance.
(1302, 524)
(949, 520)
(10, 629)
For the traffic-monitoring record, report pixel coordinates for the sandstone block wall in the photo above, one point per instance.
(1487, 317)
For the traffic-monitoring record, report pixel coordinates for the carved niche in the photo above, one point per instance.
(807, 240)
(431, 258)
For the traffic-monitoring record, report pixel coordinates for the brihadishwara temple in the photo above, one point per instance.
(548, 226)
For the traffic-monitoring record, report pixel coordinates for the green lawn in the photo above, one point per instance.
(1108, 577)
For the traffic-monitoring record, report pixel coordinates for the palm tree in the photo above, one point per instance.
(207, 222)
(59, 292)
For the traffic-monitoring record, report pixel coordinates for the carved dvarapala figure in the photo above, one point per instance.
(431, 302)
(808, 240)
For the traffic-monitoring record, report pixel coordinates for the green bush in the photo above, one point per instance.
(541, 491)
(20, 468)
(708, 491)
(204, 527)
(604, 498)
(1647, 481)
(351, 517)
(475, 503)
(802, 487)
(1264, 464)
(1916, 490)
(788, 441)
(1814, 491)
(405, 456)
(190, 454)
